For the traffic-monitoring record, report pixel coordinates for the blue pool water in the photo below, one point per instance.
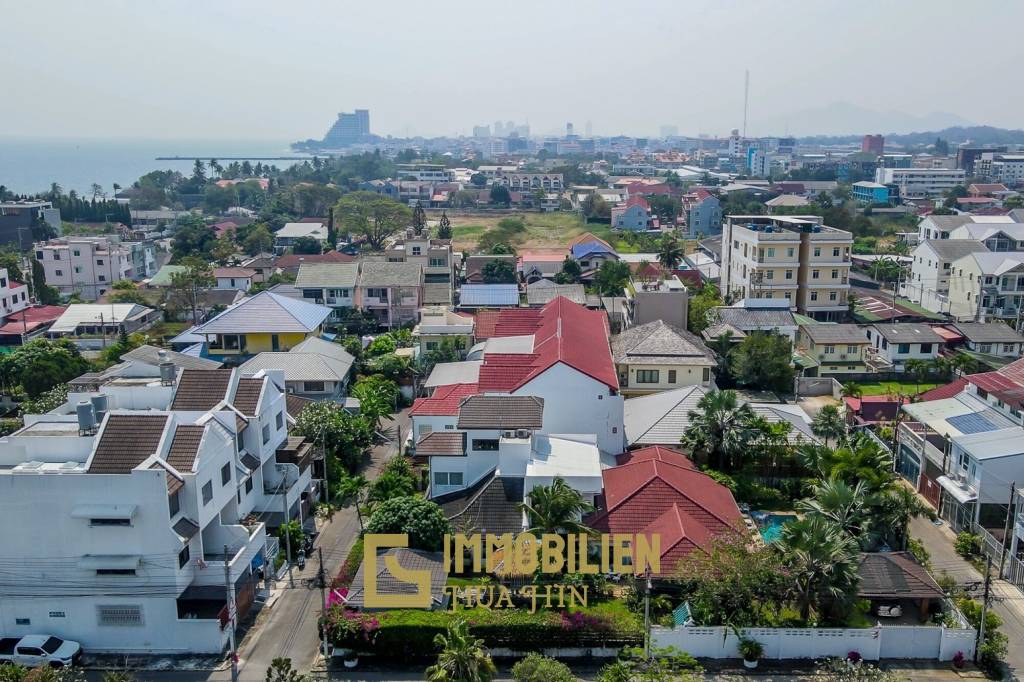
(770, 524)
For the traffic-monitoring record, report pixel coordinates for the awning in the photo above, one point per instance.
(185, 528)
(104, 511)
(250, 462)
(962, 495)
(109, 562)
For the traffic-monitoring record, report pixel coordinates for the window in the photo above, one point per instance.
(438, 262)
(313, 387)
(983, 348)
(266, 433)
(416, 251)
(903, 348)
(671, 376)
(835, 274)
(120, 615)
(174, 503)
(789, 274)
(817, 251)
(23, 621)
(110, 522)
(59, 273)
(377, 293)
(39, 255)
(207, 492)
(769, 274)
(279, 420)
(835, 252)
(789, 296)
(99, 261)
(850, 350)
(830, 349)
(102, 278)
(706, 375)
(115, 571)
(183, 557)
(789, 253)
(485, 444)
(76, 252)
(771, 253)
(431, 345)
(57, 614)
(248, 485)
(447, 478)
(647, 376)
(56, 255)
(78, 269)
(832, 295)
(815, 274)
(814, 295)
(225, 474)
(1007, 347)
(927, 348)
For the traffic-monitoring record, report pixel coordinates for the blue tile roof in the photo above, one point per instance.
(489, 294)
(587, 248)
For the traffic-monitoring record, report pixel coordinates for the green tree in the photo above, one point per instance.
(594, 207)
(47, 401)
(478, 180)
(894, 509)
(841, 504)
(611, 277)
(281, 670)
(699, 310)
(555, 508)
(192, 238)
(829, 424)
(45, 294)
(538, 668)
(125, 291)
(307, 245)
(352, 490)
(720, 429)
(378, 397)
(344, 436)
(217, 199)
(41, 364)
(11, 260)
(422, 520)
(919, 369)
(570, 272)
(372, 216)
(395, 480)
(852, 389)
(500, 195)
(444, 227)
(463, 658)
(499, 272)
(259, 240)
(188, 286)
(666, 207)
(419, 219)
(821, 561)
(670, 252)
(763, 360)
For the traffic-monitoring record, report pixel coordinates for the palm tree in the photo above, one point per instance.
(896, 508)
(829, 424)
(353, 491)
(822, 563)
(670, 252)
(463, 657)
(720, 429)
(852, 389)
(920, 370)
(556, 508)
(840, 503)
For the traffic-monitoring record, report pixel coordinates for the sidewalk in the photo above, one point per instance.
(1009, 602)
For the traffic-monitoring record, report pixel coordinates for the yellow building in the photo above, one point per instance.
(832, 349)
(658, 356)
(266, 322)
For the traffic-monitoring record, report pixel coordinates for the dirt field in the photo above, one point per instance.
(543, 230)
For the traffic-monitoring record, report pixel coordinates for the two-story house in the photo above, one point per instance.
(893, 344)
(391, 292)
(988, 285)
(931, 269)
(434, 256)
(264, 322)
(291, 233)
(993, 338)
(702, 212)
(329, 284)
(437, 324)
(241, 279)
(658, 356)
(314, 369)
(832, 349)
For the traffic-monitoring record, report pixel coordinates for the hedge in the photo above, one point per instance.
(410, 633)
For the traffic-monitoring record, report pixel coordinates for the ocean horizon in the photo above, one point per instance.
(29, 165)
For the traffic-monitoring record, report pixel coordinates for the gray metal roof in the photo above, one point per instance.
(951, 249)
(835, 333)
(948, 222)
(383, 274)
(410, 560)
(661, 418)
(489, 294)
(298, 366)
(437, 293)
(544, 291)
(501, 412)
(988, 333)
(908, 332)
(322, 275)
(659, 343)
(151, 355)
(266, 312)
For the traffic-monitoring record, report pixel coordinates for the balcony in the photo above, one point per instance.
(244, 542)
(296, 450)
(923, 441)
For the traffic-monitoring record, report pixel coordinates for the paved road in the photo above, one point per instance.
(938, 540)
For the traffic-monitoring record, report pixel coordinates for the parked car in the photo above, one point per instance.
(33, 651)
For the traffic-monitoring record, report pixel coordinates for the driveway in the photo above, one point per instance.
(1008, 600)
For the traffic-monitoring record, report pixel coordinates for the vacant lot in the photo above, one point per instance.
(894, 387)
(543, 230)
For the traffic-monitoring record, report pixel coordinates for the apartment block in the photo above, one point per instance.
(920, 183)
(85, 265)
(795, 258)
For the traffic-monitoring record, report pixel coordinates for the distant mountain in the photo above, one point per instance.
(844, 118)
(977, 135)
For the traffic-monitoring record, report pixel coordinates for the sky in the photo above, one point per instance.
(228, 69)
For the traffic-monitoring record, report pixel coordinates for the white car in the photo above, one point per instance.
(33, 651)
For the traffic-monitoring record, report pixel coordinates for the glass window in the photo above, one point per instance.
(447, 478)
(279, 420)
(671, 376)
(903, 348)
(927, 348)
(851, 349)
(817, 251)
(312, 387)
(485, 444)
(248, 485)
(207, 492)
(815, 274)
(183, 557)
(266, 433)
(174, 503)
(225, 474)
(814, 295)
(647, 376)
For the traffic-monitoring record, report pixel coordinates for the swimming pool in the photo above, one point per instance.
(770, 524)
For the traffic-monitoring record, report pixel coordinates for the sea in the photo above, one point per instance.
(30, 165)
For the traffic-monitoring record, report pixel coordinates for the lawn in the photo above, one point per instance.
(543, 230)
(906, 387)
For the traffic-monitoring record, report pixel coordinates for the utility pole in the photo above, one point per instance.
(287, 534)
(984, 608)
(1010, 513)
(647, 615)
(229, 591)
(322, 579)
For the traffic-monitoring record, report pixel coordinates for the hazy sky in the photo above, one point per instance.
(282, 70)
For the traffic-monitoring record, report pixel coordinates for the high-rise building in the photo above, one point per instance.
(568, 129)
(499, 129)
(482, 131)
(669, 131)
(873, 144)
(350, 128)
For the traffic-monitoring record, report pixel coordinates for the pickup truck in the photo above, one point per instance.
(33, 651)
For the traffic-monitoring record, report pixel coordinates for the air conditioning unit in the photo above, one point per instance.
(961, 477)
(522, 433)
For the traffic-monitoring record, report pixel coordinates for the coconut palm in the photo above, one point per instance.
(720, 429)
(556, 508)
(463, 657)
(353, 490)
(829, 424)
(822, 564)
(852, 390)
(896, 508)
(844, 505)
(919, 369)
(860, 459)
(670, 252)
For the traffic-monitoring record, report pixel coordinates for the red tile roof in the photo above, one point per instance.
(691, 277)
(638, 200)
(656, 452)
(31, 318)
(943, 392)
(444, 402)
(1009, 389)
(658, 491)
(486, 320)
(293, 260)
(563, 332)
(586, 238)
(234, 272)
